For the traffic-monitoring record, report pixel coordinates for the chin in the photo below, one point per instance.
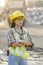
(20, 25)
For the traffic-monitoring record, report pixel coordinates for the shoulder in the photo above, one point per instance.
(25, 30)
(10, 30)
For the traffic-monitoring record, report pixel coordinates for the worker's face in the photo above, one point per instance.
(19, 21)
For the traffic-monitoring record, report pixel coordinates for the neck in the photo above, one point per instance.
(18, 27)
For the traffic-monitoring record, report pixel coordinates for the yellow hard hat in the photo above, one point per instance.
(15, 15)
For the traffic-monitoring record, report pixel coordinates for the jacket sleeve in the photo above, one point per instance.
(29, 38)
(11, 39)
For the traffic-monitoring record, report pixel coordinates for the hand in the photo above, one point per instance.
(17, 44)
(20, 44)
(28, 44)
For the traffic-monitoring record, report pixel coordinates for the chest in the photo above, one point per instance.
(20, 37)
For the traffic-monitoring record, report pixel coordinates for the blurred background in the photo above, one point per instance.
(33, 10)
